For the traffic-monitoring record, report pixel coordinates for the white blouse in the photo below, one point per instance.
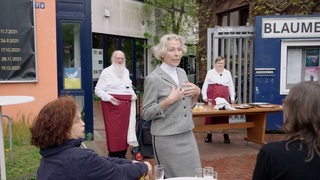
(224, 78)
(171, 70)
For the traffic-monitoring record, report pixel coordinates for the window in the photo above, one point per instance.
(71, 56)
(238, 17)
(133, 48)
(299, 62)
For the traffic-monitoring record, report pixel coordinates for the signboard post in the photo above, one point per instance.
(17, 41)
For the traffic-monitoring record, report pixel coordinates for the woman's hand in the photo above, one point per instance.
(175, 95)
(149, 173)
(191, 90)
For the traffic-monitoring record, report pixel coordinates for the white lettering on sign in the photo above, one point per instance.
(291, 27)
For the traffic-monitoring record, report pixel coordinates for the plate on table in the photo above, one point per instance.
(242, 106)
(185, 178)
(266, 105)
(258, 103)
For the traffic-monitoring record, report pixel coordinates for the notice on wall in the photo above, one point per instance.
(312, 65)
(72, 79)
(17, 41)
(311, 74)
(312, 57)
(294, 65)
(97, 63)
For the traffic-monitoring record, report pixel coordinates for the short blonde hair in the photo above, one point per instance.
(160, 49)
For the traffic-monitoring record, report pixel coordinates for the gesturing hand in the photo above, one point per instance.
(175, 94)
(191, 89)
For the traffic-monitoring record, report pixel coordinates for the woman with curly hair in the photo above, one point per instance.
(297, 157)
(57, 131)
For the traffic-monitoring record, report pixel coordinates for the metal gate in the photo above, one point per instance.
(235, 44)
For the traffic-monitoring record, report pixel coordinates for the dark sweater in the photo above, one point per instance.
(275, 162)
(69, 161)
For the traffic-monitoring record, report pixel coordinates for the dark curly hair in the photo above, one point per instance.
(302, 116)
(53, 124)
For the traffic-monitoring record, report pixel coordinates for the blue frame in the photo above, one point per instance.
(83, 16)
(119, 47)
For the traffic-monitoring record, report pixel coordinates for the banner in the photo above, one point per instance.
(17, 41)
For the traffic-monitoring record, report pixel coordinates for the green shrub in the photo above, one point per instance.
(23, 161)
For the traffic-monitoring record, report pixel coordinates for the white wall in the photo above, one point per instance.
(126, 18)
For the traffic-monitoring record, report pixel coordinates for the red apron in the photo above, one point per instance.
(214, 91)
(116, 122)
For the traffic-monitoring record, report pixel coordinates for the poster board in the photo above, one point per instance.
(97, 63)
(72, 78)
(311, 70)
(299, 62)
(17, 42)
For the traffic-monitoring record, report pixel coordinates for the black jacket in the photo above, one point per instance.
(69, 161)
(275, 162)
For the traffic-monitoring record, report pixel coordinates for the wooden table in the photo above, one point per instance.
(255, 120)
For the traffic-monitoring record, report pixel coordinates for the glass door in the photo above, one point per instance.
(71, 56)
(74, 56)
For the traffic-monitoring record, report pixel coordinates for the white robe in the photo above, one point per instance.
(110, 83)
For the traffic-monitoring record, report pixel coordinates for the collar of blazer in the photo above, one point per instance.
(165, 76)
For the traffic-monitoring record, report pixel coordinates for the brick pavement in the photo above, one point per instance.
(233, 161)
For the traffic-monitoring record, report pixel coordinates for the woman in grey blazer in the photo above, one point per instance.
(167, 101)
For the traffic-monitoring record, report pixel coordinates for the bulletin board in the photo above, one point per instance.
(17, 41)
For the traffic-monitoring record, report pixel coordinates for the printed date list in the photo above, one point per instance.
(10, 50)
(10, 68)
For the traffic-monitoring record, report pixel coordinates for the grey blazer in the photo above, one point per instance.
(177, 118)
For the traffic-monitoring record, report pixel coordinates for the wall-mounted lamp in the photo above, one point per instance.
(107, 13)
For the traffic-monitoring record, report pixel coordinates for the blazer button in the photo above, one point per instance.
(185, 115)
(184, 107)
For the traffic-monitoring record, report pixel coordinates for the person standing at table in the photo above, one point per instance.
(114, 87)
(218, 83)
(298, 156)
(57, 131)
(167, 102)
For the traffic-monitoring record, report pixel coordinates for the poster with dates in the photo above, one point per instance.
(17, 41)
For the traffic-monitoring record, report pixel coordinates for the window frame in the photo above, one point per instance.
(303, 43)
